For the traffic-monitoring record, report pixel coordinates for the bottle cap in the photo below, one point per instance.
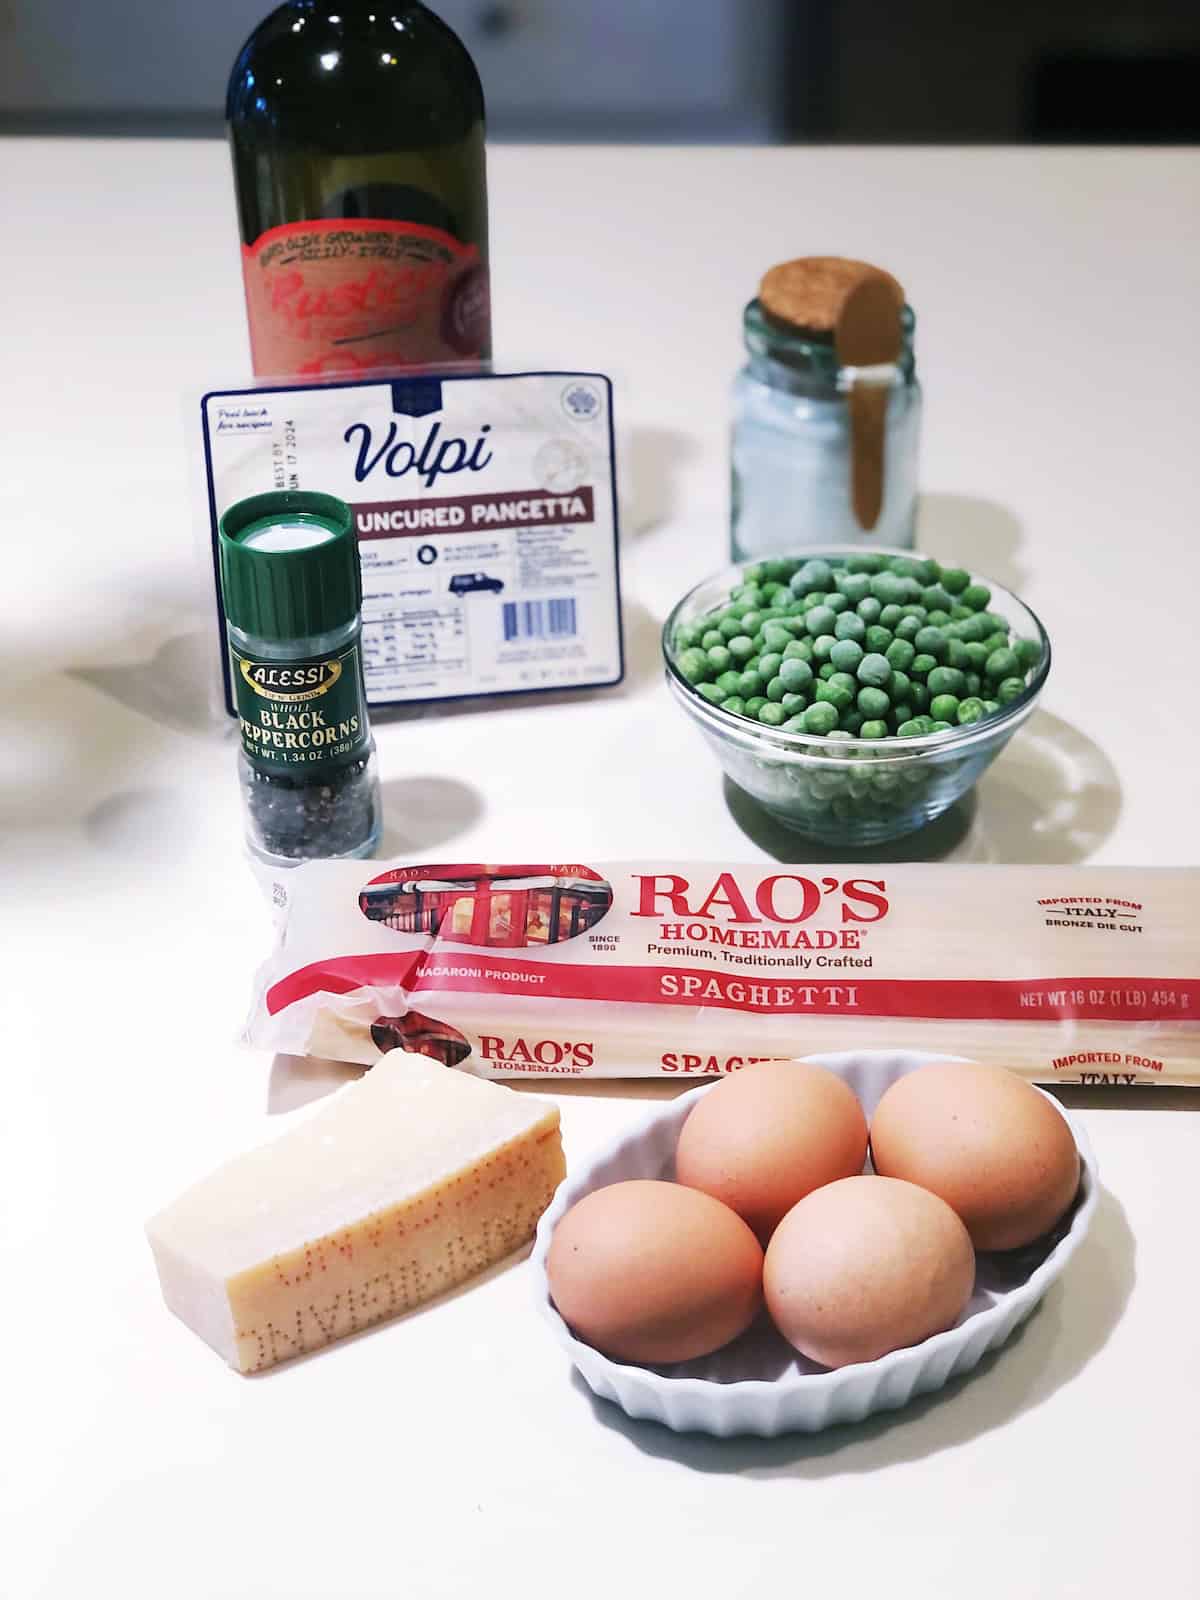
(809, 293)
(289, 564)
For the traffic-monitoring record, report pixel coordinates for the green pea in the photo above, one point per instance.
(792, 703)
(961, 613)
(875, 670)
(711, 638)
(719, 658)
(939, 726)
(711, 693)
(735, 705)
(837, 603)
(1002, 663)
(849, 625)
(907, 567)
(976, 655)
(972, 709)
(694, 666)
(998, 623)
(846, 654)
(729, 626)
(868, 561)
(752, 622)
(937, 619)
(900, 685)
(741, 647)
(888, 588)
(775, 638)
(826, 671)
(932, 642)
(820, 718)
(974, 682)
(936, 598)
(728, 682)
(771, 714)
(794, 724)
(890, 615)
(990, 706)
(873, 729)
(877, 638)
(944, 708)
(977, 596)
(856, 586)
(920, 697)
(796, 674)
(772, 613)
(849, 724)
(799, 650)
(769, 664)
(834, 694)
(820, 620)
(814, 574)
(946, 680)
(901, 712)
(1010, 689)
(686, 637)
(912, 729)
(755, 704)
(776, 689)
(869, 610)
(1029, 653)
(899, 653)
(996, 641)
(974, 629)
(749, 683)
(873, 703)
(955, 579)
(908, 628)
(922, 665)
(811, 602)
(822, 646)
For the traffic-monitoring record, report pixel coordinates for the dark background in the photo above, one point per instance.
(759, 71)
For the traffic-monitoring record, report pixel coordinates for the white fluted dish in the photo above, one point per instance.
(759, 1384)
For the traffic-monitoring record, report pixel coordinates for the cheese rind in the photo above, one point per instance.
(406, 1183)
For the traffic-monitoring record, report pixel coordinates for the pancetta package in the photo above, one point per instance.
(641, 969)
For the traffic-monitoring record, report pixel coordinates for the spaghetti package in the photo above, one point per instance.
(641, 969)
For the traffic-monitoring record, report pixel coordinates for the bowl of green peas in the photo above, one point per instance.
(855, 694)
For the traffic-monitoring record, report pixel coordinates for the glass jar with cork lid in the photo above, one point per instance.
(826, 411)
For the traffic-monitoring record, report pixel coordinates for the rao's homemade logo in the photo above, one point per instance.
(292, 684)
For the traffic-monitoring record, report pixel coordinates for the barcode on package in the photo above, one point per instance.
(539, 619)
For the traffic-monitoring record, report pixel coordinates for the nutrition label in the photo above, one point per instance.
(486, 518)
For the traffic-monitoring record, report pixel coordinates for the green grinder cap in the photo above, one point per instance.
(289, 564)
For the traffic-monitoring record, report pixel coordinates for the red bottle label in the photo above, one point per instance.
(338, 296)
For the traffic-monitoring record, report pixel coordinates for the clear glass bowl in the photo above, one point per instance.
(851, 791)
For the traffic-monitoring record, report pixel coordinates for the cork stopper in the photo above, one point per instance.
(810, 292)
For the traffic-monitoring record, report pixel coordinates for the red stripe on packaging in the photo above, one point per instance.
(819, 990)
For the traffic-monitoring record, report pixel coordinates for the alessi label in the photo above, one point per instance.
(639, 969)
(297, 716)
(336, 296)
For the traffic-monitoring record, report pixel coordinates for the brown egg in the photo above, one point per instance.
(985, 1140)
(653, 1272)
(865, 1266)
(765, 1138)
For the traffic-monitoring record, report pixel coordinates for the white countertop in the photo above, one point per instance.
(452, 1454)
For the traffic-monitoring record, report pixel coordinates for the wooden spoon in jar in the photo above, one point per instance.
(868, 334)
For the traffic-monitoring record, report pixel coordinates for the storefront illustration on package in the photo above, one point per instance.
(486, 513)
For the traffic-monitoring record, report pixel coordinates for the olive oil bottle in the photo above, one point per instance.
(357, 134)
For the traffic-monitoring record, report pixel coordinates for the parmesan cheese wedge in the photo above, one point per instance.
(407, 1182)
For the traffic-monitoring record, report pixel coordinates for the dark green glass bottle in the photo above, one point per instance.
(357, 133)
